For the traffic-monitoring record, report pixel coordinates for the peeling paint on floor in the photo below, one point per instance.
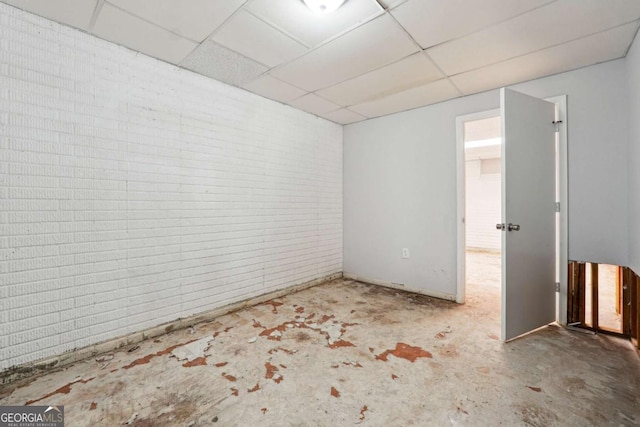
(65, 389)
(274, 304)
(362, 414)
(196, 349)
(341, 343)
(229, 377)
(404, 351)
(146, 359)
(335, 392)
(272, 373)
(198, 361)
(348, 353)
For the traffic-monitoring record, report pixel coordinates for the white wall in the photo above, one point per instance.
(633, 76)
(133, 193)
(483, 207)
(400, 181)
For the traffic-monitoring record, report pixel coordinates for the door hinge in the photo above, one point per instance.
(557, 206)
(557, 286)
(557, 124)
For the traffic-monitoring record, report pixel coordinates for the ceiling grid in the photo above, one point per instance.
(367, 59)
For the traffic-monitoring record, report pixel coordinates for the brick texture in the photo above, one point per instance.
(133, 192)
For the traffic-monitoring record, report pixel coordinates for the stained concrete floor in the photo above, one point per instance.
(347, 353)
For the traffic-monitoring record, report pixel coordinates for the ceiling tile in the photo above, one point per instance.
(372, 45)
(431, 93)
(257, 40)
(343, 116)
(76, 13)
(600, 47)
(547, 26)
(314, 104)
(195, 19)
(120, 27)
(220, 63)
(415, 70)
(272, 88)
(296, 19)
(423, 19)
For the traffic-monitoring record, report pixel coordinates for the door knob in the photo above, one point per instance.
(513, 227)
(500, 226)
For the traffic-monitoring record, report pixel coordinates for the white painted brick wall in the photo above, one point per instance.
(483, 193)
(133, 192)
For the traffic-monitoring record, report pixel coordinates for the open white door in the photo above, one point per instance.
(528, 213)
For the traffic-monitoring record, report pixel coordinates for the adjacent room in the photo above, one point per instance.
(482, 141)
(320, 212)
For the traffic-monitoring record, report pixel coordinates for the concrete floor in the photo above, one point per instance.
(346, 353)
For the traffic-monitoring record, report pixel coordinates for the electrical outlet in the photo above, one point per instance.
(405, 253)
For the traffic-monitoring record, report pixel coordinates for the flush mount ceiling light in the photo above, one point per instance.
(323, 7)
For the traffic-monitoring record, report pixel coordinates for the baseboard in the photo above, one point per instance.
(434, 294)
(30, 369)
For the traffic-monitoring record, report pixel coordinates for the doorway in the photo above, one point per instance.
(483, 207)
(559, 120)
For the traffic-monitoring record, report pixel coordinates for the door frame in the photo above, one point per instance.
(563, 249)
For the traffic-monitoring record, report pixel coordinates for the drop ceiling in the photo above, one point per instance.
(369, 58)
